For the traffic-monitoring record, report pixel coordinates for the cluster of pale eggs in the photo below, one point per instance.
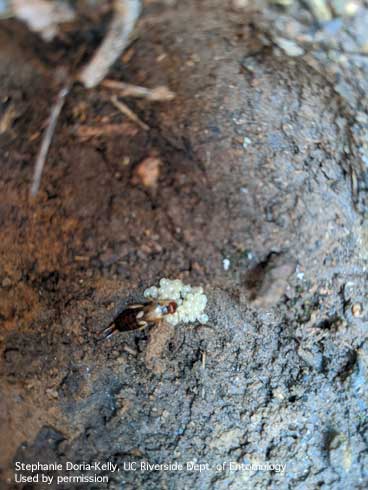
(191, 301)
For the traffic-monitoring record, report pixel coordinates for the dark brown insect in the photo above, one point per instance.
(135, 317)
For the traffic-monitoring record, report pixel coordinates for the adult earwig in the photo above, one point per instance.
(138, 316)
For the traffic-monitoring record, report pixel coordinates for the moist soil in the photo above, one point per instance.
(257, 165)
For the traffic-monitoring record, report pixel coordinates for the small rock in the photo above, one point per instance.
(147, 172)
(272, 282)
(246, 142)
(226, 264)
(290, 47)
(6, 283)
(52, 393)
(357, 309)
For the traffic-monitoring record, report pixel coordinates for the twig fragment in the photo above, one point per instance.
(85, 132)
(129, 350)
(47, 138)
(129, 113)
(126, 13)
(157, 94)
(8, 118)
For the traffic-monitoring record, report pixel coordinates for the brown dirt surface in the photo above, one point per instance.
(259, 155)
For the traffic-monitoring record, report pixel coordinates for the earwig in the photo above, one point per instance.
(138, 316)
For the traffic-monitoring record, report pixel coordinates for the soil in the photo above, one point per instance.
(261, 165)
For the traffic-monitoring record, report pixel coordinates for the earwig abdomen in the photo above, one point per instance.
(135, 317)
(127, 320)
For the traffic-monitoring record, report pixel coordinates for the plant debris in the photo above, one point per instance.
(85, 132)
(7, 119)
(47, 138)
(147, 172)
(157, 94)
(126, 13)
(124, 109)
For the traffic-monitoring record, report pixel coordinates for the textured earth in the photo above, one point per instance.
(261, 166)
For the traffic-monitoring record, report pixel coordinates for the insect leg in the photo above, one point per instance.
(142, 324)
(107, 332)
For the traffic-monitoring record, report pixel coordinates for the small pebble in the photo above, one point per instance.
(226, 264)
(289, 47)
(147, 172)
(6, 283)
(246, 142)
(357, 309)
